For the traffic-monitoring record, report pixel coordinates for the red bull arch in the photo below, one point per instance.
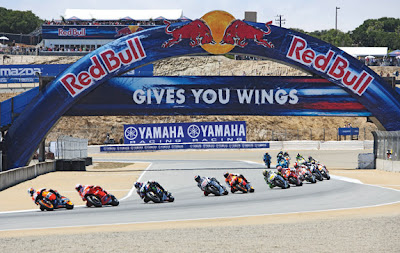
(217, 32)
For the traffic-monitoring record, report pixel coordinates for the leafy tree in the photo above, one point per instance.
(383, 32)
(18, 21)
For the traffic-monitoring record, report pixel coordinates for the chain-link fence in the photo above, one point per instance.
(69, 147)
(387, 145)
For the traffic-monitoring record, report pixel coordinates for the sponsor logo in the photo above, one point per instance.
(335, 66)
(218, 37)
(184, 132)
(105, 62)
(72, 32)
(18, 71)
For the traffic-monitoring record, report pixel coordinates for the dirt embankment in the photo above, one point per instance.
(259, 128)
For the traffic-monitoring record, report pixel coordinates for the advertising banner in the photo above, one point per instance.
(185, 132)
(219, 95)
(130, 148)
(90, 31)
(349, 131)
(26, 73)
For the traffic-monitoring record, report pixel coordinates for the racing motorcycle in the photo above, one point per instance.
(292, 177)
(156, 195)
(275, 180)
(324, 171)
(242, 186)
(305, 174)
(315, 171)
(98, 198)
(62, 202)
(214, 187)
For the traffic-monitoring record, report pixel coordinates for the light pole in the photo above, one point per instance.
(337, 8)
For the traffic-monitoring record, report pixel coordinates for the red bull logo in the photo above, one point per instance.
(337, 68)
(196, 31)
(127, 30)
(238, 32)
(218, 32)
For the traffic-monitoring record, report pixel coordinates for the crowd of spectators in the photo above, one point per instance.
(97, 22)
(17, 50)
(69, 48)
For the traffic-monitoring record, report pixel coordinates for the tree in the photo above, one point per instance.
(383, 32)
(18, 21)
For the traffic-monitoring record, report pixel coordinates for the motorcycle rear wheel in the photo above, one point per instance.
(94, 200)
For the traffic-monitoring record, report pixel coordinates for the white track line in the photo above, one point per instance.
(199, 219)
(133, 187)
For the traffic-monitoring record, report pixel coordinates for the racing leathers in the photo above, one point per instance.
(150, 184)
(205, 181)
(96, 190)
(50, 195)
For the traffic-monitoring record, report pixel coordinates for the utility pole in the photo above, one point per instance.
(337, 8)
(280, 20)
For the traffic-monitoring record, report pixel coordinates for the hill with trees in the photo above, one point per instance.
(18, 21)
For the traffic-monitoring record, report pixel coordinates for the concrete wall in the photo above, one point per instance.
(388, 165)
(15, 176)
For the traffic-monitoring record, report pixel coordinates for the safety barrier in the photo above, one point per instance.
(70, 148)
(387, 150)
(273, 145)
(15, 176)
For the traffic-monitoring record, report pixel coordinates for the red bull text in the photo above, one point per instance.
(110, 62)
(337, 68)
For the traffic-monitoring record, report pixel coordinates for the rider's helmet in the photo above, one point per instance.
(310, 158)
(31, 191)
(279, 168)
(265, 173)
(138, 185)
(78, 187)
(296, 165)
(286, 154)
(197, 178)
(226, 174)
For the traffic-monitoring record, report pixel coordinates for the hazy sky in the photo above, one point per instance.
(309, 15)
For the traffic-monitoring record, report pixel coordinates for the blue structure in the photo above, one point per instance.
(198, 37)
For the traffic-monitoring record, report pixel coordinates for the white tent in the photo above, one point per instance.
(90, 14)
(365, 51)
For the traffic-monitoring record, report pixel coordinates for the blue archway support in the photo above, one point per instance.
(155, 44)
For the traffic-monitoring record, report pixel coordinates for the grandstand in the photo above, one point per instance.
(82, 30)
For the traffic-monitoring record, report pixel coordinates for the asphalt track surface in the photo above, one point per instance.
(190, 203)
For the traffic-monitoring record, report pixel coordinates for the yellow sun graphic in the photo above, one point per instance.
(218, 21)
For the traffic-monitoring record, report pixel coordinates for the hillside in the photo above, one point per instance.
(260, 128)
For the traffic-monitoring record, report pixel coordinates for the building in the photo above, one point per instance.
(83, 30)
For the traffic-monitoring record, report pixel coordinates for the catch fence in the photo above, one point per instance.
(387, 145)
(68, 147)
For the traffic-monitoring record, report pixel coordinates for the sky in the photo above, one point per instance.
(309, 15)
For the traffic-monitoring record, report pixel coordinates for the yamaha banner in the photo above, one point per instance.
(185, 132)
(150, 147)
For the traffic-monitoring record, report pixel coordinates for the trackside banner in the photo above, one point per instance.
(152, 147)
(26, 73)
(185, 132)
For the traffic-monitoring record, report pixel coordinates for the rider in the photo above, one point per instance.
(233, 179)
(202, 183)
(141, 189)
(83, 189)
(51, 195)
(267, 160)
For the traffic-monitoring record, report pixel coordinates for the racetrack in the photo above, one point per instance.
(177, 177)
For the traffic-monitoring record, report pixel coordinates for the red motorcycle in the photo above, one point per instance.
(291, 176)
(96, 196)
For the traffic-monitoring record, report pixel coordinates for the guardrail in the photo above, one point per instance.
(15, 176)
